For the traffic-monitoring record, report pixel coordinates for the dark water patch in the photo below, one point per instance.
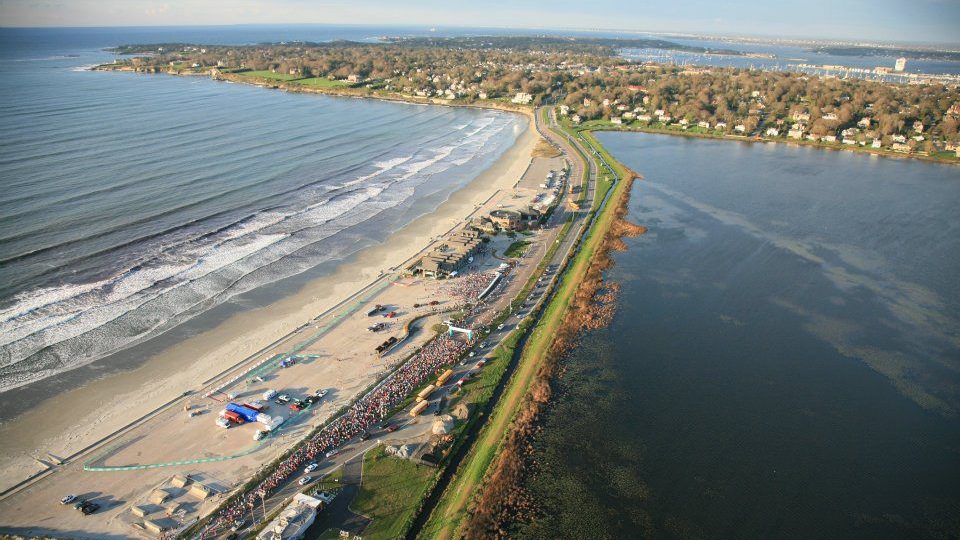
(782, 363)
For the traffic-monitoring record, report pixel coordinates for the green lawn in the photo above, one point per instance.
(390, 493)
(516, 249)
(265, 74)
(322, 82)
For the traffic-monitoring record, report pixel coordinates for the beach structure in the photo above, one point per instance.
(294, 520)
(450, 256)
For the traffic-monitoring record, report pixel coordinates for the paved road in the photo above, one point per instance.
(410, 429)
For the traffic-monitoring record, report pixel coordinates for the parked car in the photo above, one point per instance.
(365, 435)
(305, 480)
(297, 406)
(67, 499)
(311, 399)
(282, 399)
(89, 508)
(310, 467)
(391, 428)
(332, 453)
(320, 393)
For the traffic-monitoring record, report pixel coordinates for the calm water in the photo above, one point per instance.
(132, 203)
(785, 57)
(784, 359)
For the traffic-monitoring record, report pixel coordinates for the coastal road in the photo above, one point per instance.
(418, 429)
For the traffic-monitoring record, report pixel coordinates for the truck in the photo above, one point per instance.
(248, 414)
(269, 394)
(232, 417)
(268, 422)
(223, 422)
(256, 405)
(425, 393)
(444, 377)
(419, 408)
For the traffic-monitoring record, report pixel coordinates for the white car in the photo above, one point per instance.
(320, 393)
(305, 480)
(500, 327)
(68, 499)
(310, 468)
(332, 453)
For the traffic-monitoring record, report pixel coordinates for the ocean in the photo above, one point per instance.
(784, 361)
(131, 204)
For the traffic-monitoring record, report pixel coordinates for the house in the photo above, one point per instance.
(849, 141)
(703, 124)
(829, 138)
(864, 122)
(522, 98)
(773, 132)
(564, 110)
(616, 120)
(658, 112)
(830, 117)
(740, 128)
(606, 102)
(628, 116)
(918, 126)
(644, 117)
(801, 117)
(482, 95)
(795, 133)
(900, 147)
(587, 102)
(665, 119)
(354, 78)
(575, 118)
(721, 125)
(684, 122)
(899, 139)
(875, 144)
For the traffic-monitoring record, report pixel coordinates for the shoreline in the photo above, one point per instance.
(365, 93)
(107, 404)
(762, 140)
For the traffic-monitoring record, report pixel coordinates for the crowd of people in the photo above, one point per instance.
(467, 288)
(362, 415)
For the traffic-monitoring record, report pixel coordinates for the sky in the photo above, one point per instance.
(876, 20)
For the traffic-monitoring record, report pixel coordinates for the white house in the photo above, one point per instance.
(522, 98)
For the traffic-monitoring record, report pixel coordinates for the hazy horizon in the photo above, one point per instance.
(929, 22)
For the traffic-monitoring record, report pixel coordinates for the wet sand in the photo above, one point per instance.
(78, 417)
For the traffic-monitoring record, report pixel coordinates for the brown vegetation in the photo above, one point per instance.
(503, 500)
(545, 150)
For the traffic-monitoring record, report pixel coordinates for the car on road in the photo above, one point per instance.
(500, 327)
(332, 453)
(311, 399)
(365, 435)
(310, 467)
(305, 480)
(391, 428)
(320, 393)
(282, 399)
(67, 499)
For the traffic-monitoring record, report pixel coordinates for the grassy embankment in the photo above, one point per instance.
(450, 512)
(388, 486)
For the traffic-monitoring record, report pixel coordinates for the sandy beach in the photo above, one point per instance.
(106, 404)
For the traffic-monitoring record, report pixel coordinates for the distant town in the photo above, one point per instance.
(598, 88)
